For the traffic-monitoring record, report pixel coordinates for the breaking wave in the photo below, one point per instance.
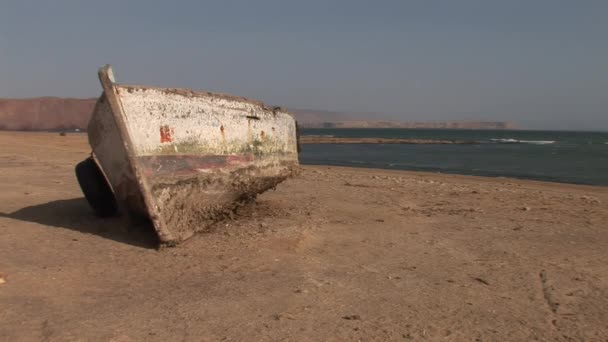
(516, 141)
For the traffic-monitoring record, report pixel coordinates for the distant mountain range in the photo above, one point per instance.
(327, 119)
(45, 113)
(56, 114)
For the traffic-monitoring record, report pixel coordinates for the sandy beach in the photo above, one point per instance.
(335, 254)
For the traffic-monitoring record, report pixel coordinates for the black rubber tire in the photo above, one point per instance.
(299, 149)
(96, 189)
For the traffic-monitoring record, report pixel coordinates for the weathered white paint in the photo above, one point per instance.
(204, 124)
(107, 145)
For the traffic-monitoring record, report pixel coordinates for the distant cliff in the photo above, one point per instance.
(327, 119)
(53, 113)
(45, 113)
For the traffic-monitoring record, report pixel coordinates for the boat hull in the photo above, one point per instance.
(184, 159)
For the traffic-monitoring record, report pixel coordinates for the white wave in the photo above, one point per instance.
(537, 142)
(515, 141)
(506, 141)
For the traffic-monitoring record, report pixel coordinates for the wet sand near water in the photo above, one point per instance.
(336, 254)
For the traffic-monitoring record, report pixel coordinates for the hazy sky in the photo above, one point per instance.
(538, 63)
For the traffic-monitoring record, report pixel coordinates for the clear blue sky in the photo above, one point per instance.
(538, 63)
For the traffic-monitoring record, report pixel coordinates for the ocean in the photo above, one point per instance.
(556, 156)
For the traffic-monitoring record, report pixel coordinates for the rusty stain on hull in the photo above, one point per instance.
(165, 134)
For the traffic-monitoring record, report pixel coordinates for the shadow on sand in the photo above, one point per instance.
(75, 214)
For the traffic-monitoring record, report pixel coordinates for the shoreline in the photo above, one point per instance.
(80, 138)
(440, 176)
(479, 174)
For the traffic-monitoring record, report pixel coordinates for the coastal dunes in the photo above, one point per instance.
(58, 114)
(333, 254)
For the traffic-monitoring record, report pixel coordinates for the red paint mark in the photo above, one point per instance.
(166, 133)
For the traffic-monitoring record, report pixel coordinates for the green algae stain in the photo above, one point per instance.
(256, 147)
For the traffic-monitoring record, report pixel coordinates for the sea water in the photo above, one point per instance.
(569, 157)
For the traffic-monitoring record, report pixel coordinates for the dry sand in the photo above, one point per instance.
(337, 254)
